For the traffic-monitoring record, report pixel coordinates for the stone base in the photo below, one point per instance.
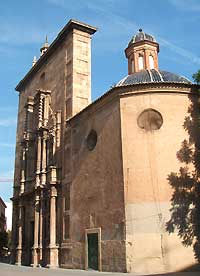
(53, 257)
(35, 257)
(18, 256)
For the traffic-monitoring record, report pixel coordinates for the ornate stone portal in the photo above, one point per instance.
(39, 180)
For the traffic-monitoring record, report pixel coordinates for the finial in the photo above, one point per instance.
(34, 60)
(140, 30)
(44, 48)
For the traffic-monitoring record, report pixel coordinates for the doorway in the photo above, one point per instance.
(93, 251)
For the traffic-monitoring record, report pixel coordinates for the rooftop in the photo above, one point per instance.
(141, 36)
(152, 76)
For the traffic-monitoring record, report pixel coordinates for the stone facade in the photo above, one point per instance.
(91, 187)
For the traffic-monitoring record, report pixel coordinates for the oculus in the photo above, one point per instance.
(150, 120)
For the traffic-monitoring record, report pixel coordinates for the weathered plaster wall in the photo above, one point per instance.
(96, 188)
(148, 158)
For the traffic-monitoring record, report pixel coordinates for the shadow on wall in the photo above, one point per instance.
(185, 201)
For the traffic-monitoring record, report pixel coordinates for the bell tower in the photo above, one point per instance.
(142, 53)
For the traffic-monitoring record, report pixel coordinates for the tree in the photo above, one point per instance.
(196, 77)
(185, 201)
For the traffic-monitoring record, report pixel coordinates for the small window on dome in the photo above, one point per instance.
(151, 62)
(141, 62)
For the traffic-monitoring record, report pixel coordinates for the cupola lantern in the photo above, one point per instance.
(142, 53)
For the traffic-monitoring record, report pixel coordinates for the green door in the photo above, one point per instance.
(93, 251)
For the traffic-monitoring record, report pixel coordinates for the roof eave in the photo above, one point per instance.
(116, 88)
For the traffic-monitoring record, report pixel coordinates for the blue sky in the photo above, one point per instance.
(24, 25)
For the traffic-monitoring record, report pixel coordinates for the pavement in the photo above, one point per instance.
(13, 270)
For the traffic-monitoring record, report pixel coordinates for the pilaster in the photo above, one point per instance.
(41, 226)
(53, 247)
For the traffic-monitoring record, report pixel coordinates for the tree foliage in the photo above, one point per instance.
(196, 77)
(185, 201)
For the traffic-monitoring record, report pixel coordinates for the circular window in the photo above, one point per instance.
(91, 140)
(150, 119)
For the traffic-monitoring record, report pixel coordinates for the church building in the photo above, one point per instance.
(91, 187)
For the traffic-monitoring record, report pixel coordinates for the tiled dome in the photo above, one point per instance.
(140, 36)
(151, 76)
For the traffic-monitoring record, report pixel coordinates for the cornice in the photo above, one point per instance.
(136, 89)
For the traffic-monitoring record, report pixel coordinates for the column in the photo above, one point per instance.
(46, 109)
(29, 116)
(58, 128)
(36, 232)
(19, 246)
(23, 168)
(44, 158)
(38, 160)
(41, 226)
(53, 248)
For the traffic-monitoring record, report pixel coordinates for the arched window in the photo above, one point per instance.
(141, 62)
(151, 62)
(132, 66)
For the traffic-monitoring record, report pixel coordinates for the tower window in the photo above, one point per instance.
(151, 62)
(141, 62)
(132, 66)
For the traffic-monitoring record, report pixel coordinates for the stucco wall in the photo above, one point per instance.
(148, 158)
(96, 192)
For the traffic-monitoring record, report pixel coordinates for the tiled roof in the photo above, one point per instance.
(151, 76)
(140, 36)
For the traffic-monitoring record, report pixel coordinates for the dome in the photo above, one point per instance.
(140, 36)
(152, 76)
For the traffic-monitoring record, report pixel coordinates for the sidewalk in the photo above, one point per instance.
(12, 270)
